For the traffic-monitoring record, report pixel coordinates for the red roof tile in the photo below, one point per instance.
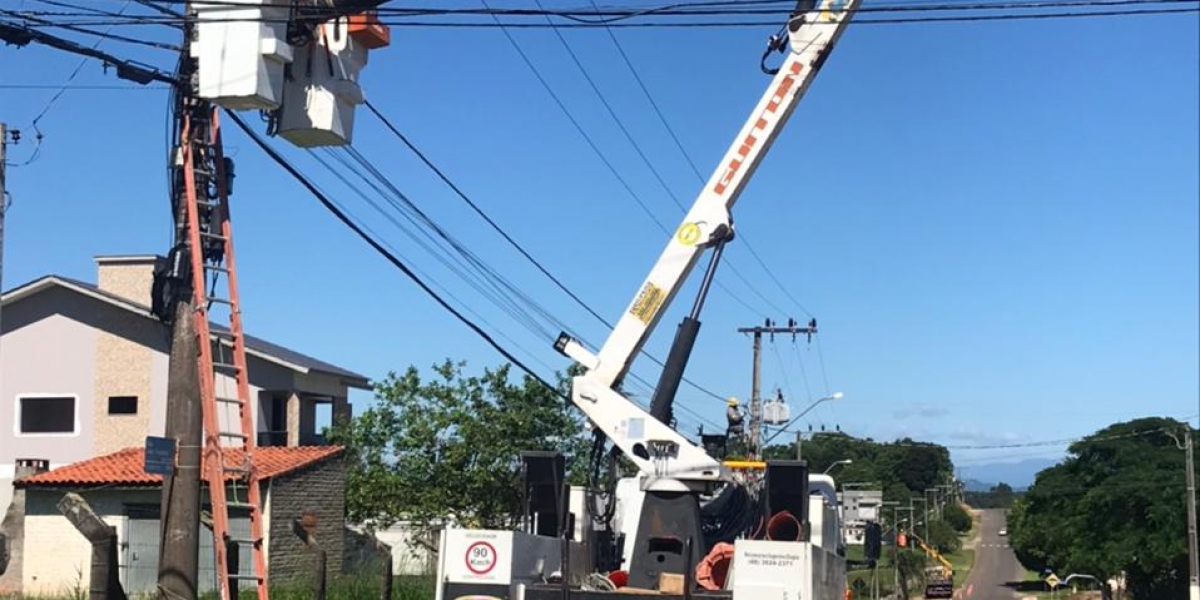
(125, 467)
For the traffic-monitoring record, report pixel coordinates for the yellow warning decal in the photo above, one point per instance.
(647, 303)
(689, 234)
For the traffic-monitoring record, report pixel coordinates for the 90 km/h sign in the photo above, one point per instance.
(481, 558)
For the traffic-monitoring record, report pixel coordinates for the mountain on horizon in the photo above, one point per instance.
(1019, 475)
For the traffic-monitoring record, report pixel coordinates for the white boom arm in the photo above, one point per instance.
(810, 38)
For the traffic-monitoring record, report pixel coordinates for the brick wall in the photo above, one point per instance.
(319, 490)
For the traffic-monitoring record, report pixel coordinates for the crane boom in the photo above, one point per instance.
(813, 30)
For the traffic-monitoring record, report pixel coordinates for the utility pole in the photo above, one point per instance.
(178, 565)
(1193, 561)
(3, 204)
(756, 397)
(756, 424)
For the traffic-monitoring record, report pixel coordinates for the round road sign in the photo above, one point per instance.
(481, 558)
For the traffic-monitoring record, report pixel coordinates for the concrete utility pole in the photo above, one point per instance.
(178, 567)
(1193, 560)
(179, 561)
(3, 204)
(756, 424)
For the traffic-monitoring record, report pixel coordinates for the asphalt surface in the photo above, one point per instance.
(996, 567)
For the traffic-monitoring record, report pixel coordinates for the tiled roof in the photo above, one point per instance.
(125, 467)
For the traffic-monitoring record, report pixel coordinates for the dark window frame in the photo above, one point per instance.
(122, 400)
(21, 423)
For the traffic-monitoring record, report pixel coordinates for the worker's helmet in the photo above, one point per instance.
(731, 401)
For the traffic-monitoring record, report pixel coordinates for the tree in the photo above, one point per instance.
(957, 517)
(1115, 505)
(902, 469)
(450, 446)
(943, 537)
(999, 496)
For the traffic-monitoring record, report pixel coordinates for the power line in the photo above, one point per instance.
(525, 253)
(89, 87)
(387, 255)
(600, 154)
(391, 257)
(103, 35)
(687, 156)
(479, 211)
(725, 24)
(583, 16)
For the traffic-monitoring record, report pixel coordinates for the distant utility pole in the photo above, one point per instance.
(768, 327)
(1193, 561)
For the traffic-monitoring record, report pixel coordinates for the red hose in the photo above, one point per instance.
(714, 568)
(783, 527)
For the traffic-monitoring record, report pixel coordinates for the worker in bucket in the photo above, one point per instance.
(734, 417)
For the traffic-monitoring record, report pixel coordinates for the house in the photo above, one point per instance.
(49, 557)
(83, 373)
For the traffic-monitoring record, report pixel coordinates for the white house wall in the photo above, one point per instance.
(57, 558)
(44, 353)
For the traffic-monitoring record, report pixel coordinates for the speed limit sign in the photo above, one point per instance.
(481, 558)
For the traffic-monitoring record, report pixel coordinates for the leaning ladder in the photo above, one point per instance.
(228, 443)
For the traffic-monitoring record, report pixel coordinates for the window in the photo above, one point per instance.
(46, 414)
(122, 405)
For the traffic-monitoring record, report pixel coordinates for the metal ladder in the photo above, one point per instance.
(229, 444)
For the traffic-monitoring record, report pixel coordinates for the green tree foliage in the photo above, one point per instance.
(1116, 504)
(943, 537)
(912, 570)
(1000, 496)
(450, 445)
(956, 517)
(902, 469)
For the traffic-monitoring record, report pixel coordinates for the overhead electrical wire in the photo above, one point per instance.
(385, 253)
(618, 20)
(433, 281)
(688, 157)
(404, 206)
(603, 157)
(89, 87)
(103, 35)
(38, 134)
(428, 244)
(411, 273)
(508, 238)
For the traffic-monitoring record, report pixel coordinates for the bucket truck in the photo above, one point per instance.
(683, 512)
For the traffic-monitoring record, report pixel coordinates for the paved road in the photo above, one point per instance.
(995, 563)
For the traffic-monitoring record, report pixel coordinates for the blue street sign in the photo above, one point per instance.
(160, 456)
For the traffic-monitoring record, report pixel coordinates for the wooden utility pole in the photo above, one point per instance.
(756, 424)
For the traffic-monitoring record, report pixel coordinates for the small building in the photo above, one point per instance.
(858, 508)
(49, 557)
(83, 373)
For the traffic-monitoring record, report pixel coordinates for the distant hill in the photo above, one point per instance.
(974, 485)
(1019, 475)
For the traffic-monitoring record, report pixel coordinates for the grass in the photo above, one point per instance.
(962, 560)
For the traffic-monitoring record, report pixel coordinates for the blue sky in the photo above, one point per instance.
(995, 224)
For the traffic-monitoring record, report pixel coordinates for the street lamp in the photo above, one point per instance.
(829, 398)
(836, 463)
